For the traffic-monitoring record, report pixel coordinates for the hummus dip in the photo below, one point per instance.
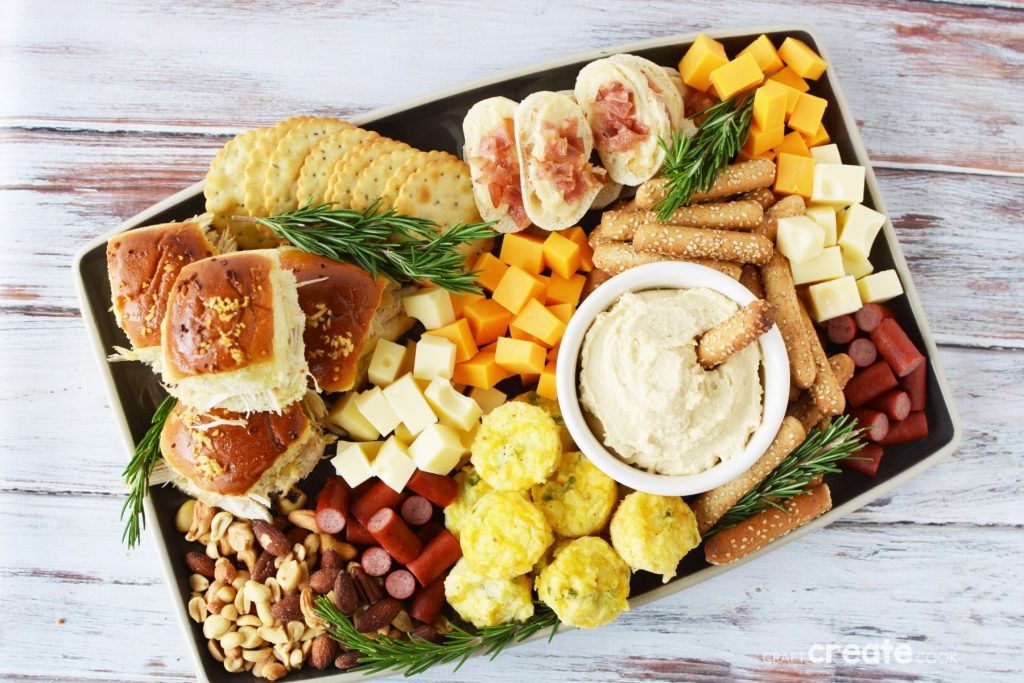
(658, 408)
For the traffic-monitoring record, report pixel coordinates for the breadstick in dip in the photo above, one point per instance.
(780, 290)
(750, 277)
(738, 331)
(804, 408)
(826, 392)
(788, 207)
(616, 257)
(711, 505)
(733, 179)
(720, 245)
(761, 529)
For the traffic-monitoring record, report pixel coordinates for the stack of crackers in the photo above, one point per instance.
(314, 160)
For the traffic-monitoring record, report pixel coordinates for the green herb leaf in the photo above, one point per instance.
(136, 474)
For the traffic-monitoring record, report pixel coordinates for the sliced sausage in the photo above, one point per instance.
(400, 584)
(874, 423)
(870, 315)
(895, 403)
(417, 510)
(375, 561)
(869, 383)
(914, 428)
(439, 554)
(896, 348)
(394, 535)
(332, 506)
(377, 497)
(842, 330)
(438, 489)
(863, 352)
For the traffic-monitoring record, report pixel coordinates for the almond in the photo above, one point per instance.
(264, 567)
(287, 609)
(200, 563)
(322, 580)
(323, 652)
(271, 538)
(377, 615)
(331, 560)
(346, 660)
(346, 596)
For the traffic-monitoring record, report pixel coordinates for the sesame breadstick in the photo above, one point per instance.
(763, 528)
(750, 277)
(720, 245)
(746, 215)
(595, 278)
(763, 196)
(780, 290)
(711, 505)
(804, 408)
(616, 257)
(827, 394)
(733, 179)
(738, 331)
(787, 207)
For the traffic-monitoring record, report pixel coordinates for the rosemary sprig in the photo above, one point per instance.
(136, 474)
(817, 455)
(401, 248)
(416, 655)
(693, 163)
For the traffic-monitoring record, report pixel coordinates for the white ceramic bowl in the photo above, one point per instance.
(669, 275)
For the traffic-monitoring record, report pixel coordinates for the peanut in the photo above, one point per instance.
(216, 626)
(304, 519)
(274, 671)
(198, 583)
(240, 536)
(224, 571)
(259, 655)
(215, 651)
(273, 634)
(249, 621)
(183, 518)
(346, 551)
(233, 665)
(229, 612)
(293, 500)
(197, 609)
(231, 639)
(219, 525)
(202, 515)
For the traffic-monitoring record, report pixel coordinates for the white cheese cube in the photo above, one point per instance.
(857, 267)
(468, 437)
(386, 362)
(432, 307)
(437, 449)
(435, 357)
(799, 238)
(406, 398)
(834, 298)
(403, 434)
(882, 286)
(451, 407)
(488, 399)
(826, 154)
(376, 409)
(354, 461)
(346, 415)
(837, 184)
(858, 228)
(827, 265)
(825, 216)
(393, 464)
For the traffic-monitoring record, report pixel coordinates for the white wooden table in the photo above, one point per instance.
(107, 107)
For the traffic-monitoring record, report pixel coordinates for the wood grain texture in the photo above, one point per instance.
(107, 107)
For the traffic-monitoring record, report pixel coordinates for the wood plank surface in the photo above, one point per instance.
(107, 107)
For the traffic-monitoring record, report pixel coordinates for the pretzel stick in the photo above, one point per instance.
(738, 331)
(711, 505)
(733, 179)
(745, 215)
(779, 288)
(763, 196)
(720, 245)
(750, 277)
(804, 408)
(615, 257)
(826, 392)
(792, 205)
(763, 528)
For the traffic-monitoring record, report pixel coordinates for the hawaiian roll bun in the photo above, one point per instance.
(554, 142)
(232, 335)
(490, 151)
(142, 266)
(660, 82)
(236, 461)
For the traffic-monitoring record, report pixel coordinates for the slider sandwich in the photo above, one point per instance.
(236, 461)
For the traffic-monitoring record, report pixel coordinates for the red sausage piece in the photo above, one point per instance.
(400, 584)
(429, 530)
(865, 461)
(874, 423)
(916, 384)
(842, 330)
(377, 497)
(332, 506)
(427, 603)
(914, 428)
(863, 352)
(441, 553)
(896, 348)
(438, 489)
(869, 383)
(356, 533)
(869, 315)
(895, 403)
(417, 510)
(375, 561)
(394, 535)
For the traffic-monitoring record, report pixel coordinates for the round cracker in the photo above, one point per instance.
(259, 161)
(286, 161)
(223, 189)
(347, 172)
(402, 173)
(442, 192)
(371, 182)
(315, 175)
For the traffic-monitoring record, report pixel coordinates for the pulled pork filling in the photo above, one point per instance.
(615, 123)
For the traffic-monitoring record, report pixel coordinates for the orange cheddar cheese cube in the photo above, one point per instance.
(564, 290)
(490, 348)
(545, 281)
(743, 156)
(522, 335)
(523, 250)
(793, 143)
(553, 352)
(586, 251)
(792, 96)
(819, 138)
(765, 54)
(738, 75)
(770, 105)
(562, 311)
(546, 383)
(459, 301)
(528, 378)
(460, 334)
(482, 370)
(487, 320)
(516, 288)
(794, 175)
(519, 356)
(806, 116)
(761, 141)
(562, 255)
(704, 56)
(539, 322)
(490, 270)
(804, 61)
(789, 77)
